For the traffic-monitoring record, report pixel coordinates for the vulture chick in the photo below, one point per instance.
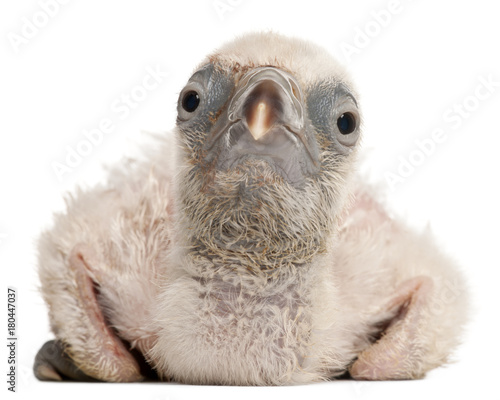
(244, 250)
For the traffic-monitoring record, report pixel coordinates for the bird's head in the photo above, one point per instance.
(268, 127)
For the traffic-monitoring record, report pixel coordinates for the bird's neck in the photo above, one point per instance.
(257, 230)
(253, 253)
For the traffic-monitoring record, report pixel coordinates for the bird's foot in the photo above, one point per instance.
(53, 364)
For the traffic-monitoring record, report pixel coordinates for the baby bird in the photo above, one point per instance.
(244, 250)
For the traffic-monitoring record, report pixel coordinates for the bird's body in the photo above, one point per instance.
(243, 249)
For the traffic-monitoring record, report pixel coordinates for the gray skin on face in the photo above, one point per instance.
(326, 100)
(218, 130)
(215, 87)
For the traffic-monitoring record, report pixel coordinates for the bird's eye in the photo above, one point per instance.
(190, 101)
(346, 123)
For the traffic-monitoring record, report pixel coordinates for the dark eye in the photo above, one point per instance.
(190, 101)
(346, 123)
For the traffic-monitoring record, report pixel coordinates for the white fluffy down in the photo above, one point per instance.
(209, 320)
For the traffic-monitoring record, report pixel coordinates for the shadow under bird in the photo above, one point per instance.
(243, 249)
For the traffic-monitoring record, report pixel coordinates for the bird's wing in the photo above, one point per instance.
(411, 299)
(106, 357)
(100, 267)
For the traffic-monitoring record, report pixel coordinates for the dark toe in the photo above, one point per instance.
(53, 364)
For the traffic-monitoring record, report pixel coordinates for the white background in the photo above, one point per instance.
(430, 57)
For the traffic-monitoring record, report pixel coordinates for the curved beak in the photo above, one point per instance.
(266, 97)
(265, 120)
